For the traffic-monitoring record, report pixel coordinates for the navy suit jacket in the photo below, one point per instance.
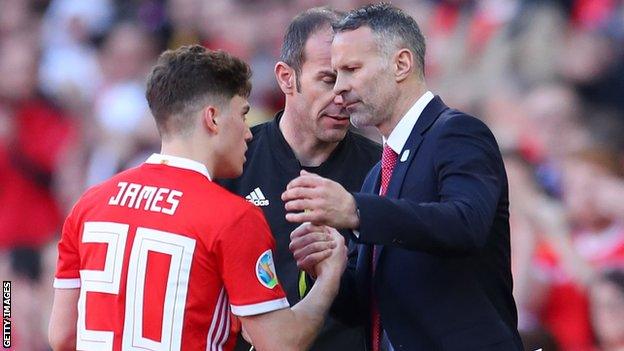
(443, 274)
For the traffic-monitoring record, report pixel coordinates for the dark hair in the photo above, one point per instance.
(299, 30)
(392, 27)
(185, 80)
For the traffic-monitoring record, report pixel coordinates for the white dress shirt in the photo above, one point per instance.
(399, 135)
(401, 132)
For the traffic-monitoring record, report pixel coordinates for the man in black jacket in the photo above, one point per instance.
(312, 134)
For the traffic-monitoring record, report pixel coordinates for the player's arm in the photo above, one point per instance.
(62, 329)
(305, 244)
(244, 248)
(295, 328)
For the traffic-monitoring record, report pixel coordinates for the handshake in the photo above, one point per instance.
(318, 248)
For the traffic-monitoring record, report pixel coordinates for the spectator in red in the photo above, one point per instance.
(33, 136)
(591, 179)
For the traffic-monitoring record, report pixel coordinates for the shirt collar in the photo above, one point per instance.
(286, 155)
(399, 135)
(179, 162)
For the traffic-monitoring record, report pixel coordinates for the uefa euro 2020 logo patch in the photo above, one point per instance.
(265, 270)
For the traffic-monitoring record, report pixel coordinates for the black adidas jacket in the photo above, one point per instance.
(270, 165)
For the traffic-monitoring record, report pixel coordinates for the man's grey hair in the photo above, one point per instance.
(392, 27)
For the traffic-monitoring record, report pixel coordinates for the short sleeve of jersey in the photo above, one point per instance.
(68, 265)
(245, 249)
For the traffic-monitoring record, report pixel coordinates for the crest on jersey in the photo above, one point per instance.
(265, 270)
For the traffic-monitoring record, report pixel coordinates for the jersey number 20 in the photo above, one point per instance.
(179, 247)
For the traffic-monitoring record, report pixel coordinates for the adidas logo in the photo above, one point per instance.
(257, 198)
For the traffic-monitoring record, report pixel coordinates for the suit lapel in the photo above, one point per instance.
(373, 180)
(424, 122)
(426, 119)
(371, 186)
(403, 163)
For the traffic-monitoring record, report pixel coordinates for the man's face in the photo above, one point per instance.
(364, 79)
(314, 102)
(233, 134)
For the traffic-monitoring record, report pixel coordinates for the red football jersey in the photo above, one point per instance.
(161, 256)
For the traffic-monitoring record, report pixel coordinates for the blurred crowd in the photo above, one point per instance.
(546, 76)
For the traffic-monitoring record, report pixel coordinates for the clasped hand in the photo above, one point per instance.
(312, 198)
(318, 250)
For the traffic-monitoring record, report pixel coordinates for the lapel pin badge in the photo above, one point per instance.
(405, 155)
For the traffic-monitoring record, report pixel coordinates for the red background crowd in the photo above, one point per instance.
(546, 76)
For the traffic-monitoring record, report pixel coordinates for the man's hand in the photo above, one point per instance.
(312, 198)
(310, 244)
(313, 245)
(300, 324)
(333, 266)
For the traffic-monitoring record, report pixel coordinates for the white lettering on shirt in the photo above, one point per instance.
(147, 193)
(171, 199)
(130, 194)
(115, 200)
(159, 197)
(146, 198)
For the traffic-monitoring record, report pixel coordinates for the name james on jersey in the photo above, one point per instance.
(133, 195)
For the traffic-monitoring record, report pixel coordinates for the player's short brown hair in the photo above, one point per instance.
(187, 79)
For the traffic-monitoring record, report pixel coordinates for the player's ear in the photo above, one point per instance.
(209, 118)
(286, 78)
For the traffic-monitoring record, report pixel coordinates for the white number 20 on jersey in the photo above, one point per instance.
(179, 247)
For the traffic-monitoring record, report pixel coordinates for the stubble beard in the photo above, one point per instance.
(363, 118)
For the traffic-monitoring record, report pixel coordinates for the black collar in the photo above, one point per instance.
(286, 157)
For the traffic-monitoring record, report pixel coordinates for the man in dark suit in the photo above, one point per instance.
(431, 222)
